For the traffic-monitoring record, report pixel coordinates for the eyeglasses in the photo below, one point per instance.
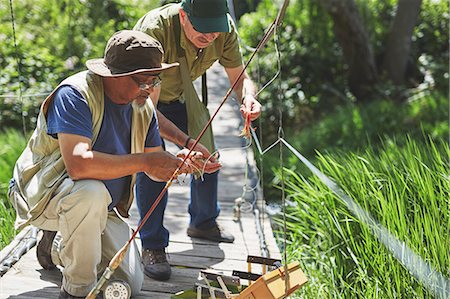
(145, 86)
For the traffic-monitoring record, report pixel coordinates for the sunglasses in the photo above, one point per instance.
(144, 85)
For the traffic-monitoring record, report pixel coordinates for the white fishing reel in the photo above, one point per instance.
(117, 289)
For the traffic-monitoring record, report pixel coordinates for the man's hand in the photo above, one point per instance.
(199, 162)
(202, 149)
(250, 106)
(161, 165)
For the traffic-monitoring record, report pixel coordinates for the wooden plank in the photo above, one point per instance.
(207, 263)
(181, 279)
(28, 280)
(244, 230)
(159, 295)
(214, 250)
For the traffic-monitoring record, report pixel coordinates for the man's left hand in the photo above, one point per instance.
(199, 162)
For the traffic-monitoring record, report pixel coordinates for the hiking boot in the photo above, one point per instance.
(155, 264)
(44, 249)
(64, 295)
(216, 233)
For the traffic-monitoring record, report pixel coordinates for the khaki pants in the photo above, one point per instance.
(90, 236)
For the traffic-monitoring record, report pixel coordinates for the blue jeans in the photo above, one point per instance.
(203, 205)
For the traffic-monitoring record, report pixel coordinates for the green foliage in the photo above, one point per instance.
(54, 40)
(312, 73)
(313, 79)
(7, 217)
(404, 186)
(12, 144)
(355, 127)
(430, 42)
(20, 113)
(242, 7)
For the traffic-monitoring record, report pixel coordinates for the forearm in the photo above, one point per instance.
(102, 166)
(245, 90)
(84, 163)
(245, 87)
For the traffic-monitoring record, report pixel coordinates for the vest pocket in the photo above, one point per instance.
(27, 172)
(54, 173)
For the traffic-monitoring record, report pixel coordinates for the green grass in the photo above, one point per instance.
(353, 128)
(405, 186)
(12, 144)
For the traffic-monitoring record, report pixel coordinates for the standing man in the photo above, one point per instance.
(195, 33)
(95, 131)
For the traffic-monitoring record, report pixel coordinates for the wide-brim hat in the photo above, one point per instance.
(208, 15)
(130, 52)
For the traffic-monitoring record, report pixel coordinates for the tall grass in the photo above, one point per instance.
(406, 188)
(12, 144)
(355, 127)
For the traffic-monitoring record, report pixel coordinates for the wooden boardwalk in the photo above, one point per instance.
(26, 279)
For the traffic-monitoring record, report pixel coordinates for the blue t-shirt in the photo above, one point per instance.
(69, 113)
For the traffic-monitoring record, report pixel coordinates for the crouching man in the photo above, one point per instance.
(95, 131)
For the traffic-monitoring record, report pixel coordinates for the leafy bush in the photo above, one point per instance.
(355, 127)
(20, 113)
(430, 43)
(54, 40)
(313, 78)
(404, 186)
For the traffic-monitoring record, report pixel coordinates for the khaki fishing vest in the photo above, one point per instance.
(40, 169)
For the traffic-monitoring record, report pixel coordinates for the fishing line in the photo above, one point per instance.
(18, 66)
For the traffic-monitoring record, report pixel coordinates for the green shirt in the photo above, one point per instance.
(159, 24)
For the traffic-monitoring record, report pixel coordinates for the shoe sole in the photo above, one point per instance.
(156, 277)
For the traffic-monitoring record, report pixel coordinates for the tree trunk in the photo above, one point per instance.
(354, 41)
(399, 40)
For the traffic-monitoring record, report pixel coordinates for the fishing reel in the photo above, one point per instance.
(117, 289)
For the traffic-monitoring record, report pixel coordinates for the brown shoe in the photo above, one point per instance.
(44, 249)
(155, 263)
(216, 233)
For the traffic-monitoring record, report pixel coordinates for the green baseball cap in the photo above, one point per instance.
(207, 15)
